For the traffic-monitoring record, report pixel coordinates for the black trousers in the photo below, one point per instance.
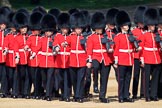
(136, 74)
(124, 79)
(35, 79)
(3, 79)
(48, 80)
(104, 75)
(87, 81)
(10, 78)
(151, 85)
(78, 78)
(23, 80)
(65, 82)
(160, 83)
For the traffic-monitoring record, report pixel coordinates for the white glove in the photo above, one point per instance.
(26, 47)
(111, 50)
(5, 51)
(32, 56)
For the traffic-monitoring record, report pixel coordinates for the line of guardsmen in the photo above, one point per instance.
(53, 50)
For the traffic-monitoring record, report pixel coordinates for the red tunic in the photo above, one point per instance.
(62, 57)
(47, 58)
(150, 49)
(20, 43)
(137, 32)
(96, 50)
(78, 54)
(9, 43)
(2, 57)
(123, 51)
(32, 43)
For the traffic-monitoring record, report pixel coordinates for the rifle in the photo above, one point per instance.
(158, 40)
(107, 41)
(83, 41)
(134, 40)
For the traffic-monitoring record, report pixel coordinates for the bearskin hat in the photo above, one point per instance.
(160, 16)
(24, 10)
(151, 16)
(10, 19)
(98, 21)
(40, 9)
(73, 10)
(64, 20)
(20, 20)
(77, 19)
(48, 22)
(34, 20)
(110, 16)
(122, 18)
(56, 12)
(138, 14)
(4, 12)
(87, 16)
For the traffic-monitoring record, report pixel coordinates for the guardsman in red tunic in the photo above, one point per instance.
(160, 33)
(137, 32)
(123, 55)
(21, 21)
(4, 11)
(97, 52)
(47, 58)
(32, 43)
(9, 51)
(111, 31)
(62, 55)
(150, 56)
(86, 32)
(77, 55)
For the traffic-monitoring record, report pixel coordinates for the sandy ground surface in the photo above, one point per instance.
(90, 103)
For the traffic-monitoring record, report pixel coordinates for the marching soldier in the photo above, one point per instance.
(150, 56)
(62, 55)
(97, 52)
(123, 55)
(137, 32)
(77, 55)
(47, 59)
(22, 82)
(31, 44)
(86, 32)
(111, 31)
(160, 33)
(9, 51)
(4, 12)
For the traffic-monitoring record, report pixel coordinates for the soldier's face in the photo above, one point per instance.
(36, 32)
(99, 31)
(23, 30)
(2, 26)
(48, 33)
(151, 27)
(78, 30)
(13, 29)
(64, 31)
(141, 25)
(160, 26)
(110, 26)
(125, 28)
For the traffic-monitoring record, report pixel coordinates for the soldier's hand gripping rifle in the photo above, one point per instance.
(108, 42)
(83, 41)
(158, 40)
(134, 40)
